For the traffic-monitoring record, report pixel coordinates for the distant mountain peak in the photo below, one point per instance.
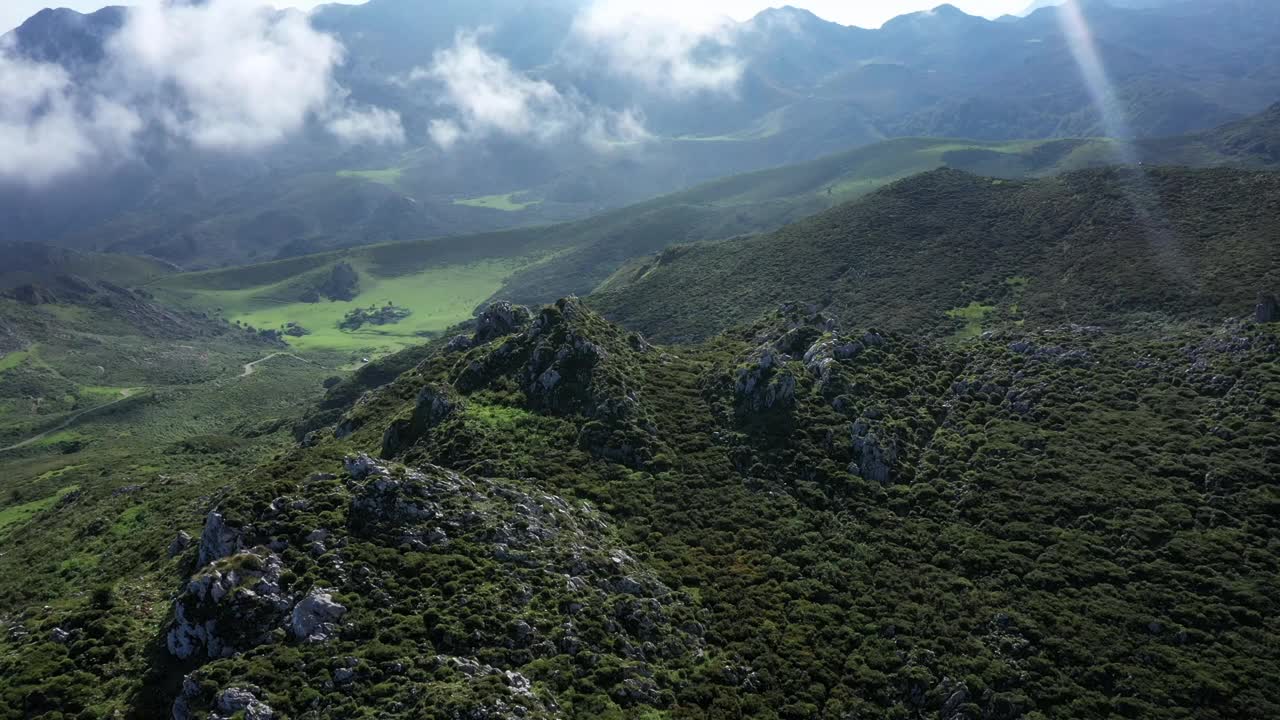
(942, 16)
(799, 17)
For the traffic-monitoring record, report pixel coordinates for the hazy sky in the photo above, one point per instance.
(865, 13)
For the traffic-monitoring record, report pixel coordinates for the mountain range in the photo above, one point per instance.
(794, 88)
(802, 372)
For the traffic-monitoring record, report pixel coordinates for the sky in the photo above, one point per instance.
(864, 13)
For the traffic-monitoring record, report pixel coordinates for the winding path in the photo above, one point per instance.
(249, 369)
(124, 395)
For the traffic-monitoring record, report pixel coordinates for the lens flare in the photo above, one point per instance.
(1134, 183)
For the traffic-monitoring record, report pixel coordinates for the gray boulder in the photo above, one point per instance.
(501, 319)
(180, 543)
(218, 540)
(232, 605)
(234, 700)
(315, 617)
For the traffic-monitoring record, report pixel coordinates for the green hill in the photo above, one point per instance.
(941, 251)
(33, 263)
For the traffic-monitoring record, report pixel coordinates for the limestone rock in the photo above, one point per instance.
(240, 700)
(218, 540)
(763, 383)
(315, 617)
(180, 543)
(230, 606)
(500, 319)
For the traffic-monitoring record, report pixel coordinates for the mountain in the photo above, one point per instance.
(807, 88)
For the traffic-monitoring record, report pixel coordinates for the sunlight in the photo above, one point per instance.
(1139, 192)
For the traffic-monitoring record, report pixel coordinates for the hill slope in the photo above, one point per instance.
(926, 253)
(557, 519)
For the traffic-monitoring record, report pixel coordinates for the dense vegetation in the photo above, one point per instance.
(1011, 455)
(1090, 246)
(790, 521)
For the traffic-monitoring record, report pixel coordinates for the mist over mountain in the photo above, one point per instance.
(144, 135)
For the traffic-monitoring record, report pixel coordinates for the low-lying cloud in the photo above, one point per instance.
(668, 50)
(221, 75)
(46, 130)
(488, 97)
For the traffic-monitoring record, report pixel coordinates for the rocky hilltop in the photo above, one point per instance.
(549, 516)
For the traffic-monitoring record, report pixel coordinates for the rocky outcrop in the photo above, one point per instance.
(180, 543)
(764, 383)
(499, 320)
(315, 617)
(435, 404)
(235, 703)
(230, 606)
(218, 540)
(876, 456)
(402, 507)
(1268, 309)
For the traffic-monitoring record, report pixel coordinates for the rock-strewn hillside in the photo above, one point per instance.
(551, 517)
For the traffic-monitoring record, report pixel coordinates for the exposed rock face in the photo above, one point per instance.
(435, 404)
(180, 543)
(218, 540)
(876, 457)
(1268, 309)
(500, 319)
(314, 616)
(763, 383)
(230, 606)
(239, 700)
(403, 506)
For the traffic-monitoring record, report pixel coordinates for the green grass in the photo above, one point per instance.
(386, 176)
(14, 359)
(21, 513)
(439, 297)
(973, 315)
(505, 203)
(499, 417)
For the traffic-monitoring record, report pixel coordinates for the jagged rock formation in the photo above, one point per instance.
(231, 606)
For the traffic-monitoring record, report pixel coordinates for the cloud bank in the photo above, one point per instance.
(46, 131)
(490, 98)
(221, 75)
(670, 49)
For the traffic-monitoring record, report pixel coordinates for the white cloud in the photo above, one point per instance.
(488, 97)
(236, 75)
(678, 49)
(222, 75)
(375, 126)
(46, 130)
